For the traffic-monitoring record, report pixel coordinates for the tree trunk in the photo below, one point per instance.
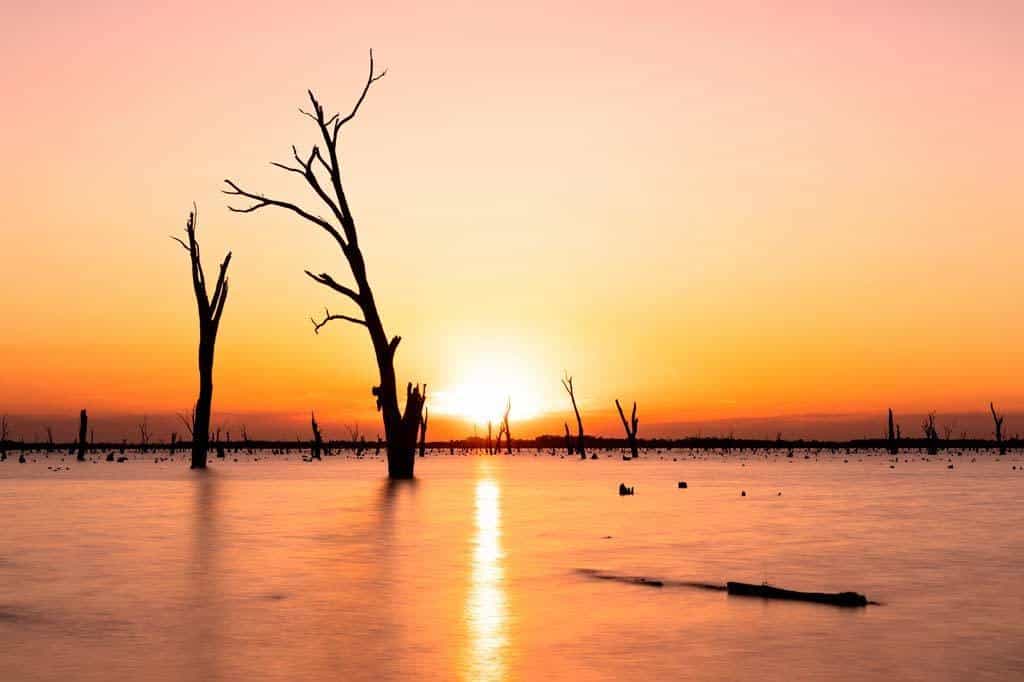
(893, 447)
(201, 423)
(82, 427)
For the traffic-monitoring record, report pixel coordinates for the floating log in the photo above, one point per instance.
(851, 599)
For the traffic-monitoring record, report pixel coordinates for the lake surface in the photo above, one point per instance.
(286, 570)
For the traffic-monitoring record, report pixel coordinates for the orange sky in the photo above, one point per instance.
(716, 209)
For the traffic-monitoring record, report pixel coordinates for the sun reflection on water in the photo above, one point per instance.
(486, 604)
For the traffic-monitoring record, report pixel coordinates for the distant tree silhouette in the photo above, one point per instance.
(567, 384)
(144, 434)
(83, 425)
(930, 433)
(4, 433)
(210, 310)
(317, 440)
(49, 439)
(568, 438)
(505, 429)
(631, 427)
(894, 448)
(400, 428)
(998, 419)
(423, 428)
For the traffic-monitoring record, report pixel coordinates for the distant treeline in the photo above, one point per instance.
(550, 442)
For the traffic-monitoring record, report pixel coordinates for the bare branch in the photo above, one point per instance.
(328, 281)
(328, 317)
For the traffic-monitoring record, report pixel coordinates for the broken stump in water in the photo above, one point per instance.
(623, 490)
(847, 599)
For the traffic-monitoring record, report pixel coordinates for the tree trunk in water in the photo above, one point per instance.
(314, 451)
(201, 423)
(893, 448)
(82, 426)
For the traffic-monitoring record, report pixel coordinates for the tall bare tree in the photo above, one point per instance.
(4, 433)
(144, 434)
(567, 384)
(83, 425)
(998, 419)
(630, 427)
(400, 428)
(317, 439)
(931, 434)
(210, 310)
(893, 444)
(423, 429)
(506, 429)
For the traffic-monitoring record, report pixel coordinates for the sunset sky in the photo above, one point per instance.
(721, 210)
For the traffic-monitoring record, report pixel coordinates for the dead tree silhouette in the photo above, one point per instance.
(891, 437)
(630, 426)
(506, 429)
(144, 434)
(931, 434)
(567, 384)
(49, 439)
(998, 419)
(400, 428)
(83, 425)
(568, 438)
(4, 433)
(423, 428)
(317, 441)
(210, 310)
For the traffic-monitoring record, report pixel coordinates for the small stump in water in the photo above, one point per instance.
(682, 484)
(623, 490)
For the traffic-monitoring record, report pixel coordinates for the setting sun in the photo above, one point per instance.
(484, 386)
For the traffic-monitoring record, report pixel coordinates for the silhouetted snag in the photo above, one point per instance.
(83, 425)
(931, 434)
(765, 591)
(49, 439)
(506, 429)
(317, 441)
(174, 441)
(998, 419)
(144, 434)
(630, 427)
(210, 310)
(568, 438)
(4, 433)
(567, 384)
(423, 431)
(490, 445)
(891, 438)
(400, 428)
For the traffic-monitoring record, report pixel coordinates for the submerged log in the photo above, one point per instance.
(850, 599)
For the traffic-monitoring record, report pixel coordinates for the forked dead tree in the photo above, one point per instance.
(144, 434)
(931, 434)
(83, 426)
(317, 441)
(506, 429)
(567, 384)
(210, 310)
(998, 419)
(423, 430)
(630, 427)
(400, 428)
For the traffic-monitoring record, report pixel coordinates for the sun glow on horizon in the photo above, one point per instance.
(481, 392)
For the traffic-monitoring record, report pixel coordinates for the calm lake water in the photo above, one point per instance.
(285, 570)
